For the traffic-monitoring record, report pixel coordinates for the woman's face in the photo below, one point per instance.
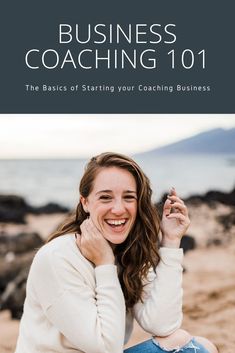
(112, 203)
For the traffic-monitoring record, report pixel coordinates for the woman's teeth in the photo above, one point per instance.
(116, 222)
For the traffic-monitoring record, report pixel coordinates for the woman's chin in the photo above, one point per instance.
(116, 239)
(116, 235)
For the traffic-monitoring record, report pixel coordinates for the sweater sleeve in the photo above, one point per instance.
(161, 311)
(92, 319)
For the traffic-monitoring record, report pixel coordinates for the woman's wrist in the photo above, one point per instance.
(107, 261)
(170, 243)
(103, 263)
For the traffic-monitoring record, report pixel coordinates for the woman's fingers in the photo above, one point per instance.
(176, 203)
(167, 207)
(180, 208)
(175, 198)
(174, 207)
(175, 220)
(178, 216)
(90, 225)
(93, 246)
(78, 240)
(173, 192)
(86, 227)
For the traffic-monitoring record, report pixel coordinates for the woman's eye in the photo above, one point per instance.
(105, 197)
(109, 198)
(130, 198)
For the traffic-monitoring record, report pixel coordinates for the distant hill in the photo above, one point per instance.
(216, 141)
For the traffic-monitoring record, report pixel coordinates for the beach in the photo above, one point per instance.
(208, 280)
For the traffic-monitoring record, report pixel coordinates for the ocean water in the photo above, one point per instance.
(42, 181)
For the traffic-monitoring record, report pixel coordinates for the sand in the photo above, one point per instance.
(209, 282)
(209, 297)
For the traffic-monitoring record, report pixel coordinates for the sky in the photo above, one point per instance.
(82, 136)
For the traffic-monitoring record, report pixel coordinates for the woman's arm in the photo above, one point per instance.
(175, 220)
(161, 312)
(90, 315)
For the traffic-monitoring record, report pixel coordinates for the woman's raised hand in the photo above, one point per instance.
(93, 246)
(175, 220)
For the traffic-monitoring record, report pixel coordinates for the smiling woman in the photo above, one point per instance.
(108, 264)
(112, 203)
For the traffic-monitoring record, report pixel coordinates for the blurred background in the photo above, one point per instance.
(42, 158)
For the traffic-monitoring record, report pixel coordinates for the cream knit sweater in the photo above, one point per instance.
(72, 306)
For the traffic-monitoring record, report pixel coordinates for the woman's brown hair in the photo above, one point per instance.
(139, 252)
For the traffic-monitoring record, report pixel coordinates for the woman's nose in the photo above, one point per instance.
(118, 207)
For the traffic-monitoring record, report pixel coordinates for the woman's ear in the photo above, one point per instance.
(84, 204)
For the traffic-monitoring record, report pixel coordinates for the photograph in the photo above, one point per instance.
(117, 233)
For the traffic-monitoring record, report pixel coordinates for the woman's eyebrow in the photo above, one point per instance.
(107, 191)
(110, 191)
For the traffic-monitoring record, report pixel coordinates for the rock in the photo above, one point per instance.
(227, 220)
(14, 295)
(13, 277)
(213, 196)
(49, 209)
(13, 209)
(222, 197)
(10, 256)
(21, 243)
(16, 255)
(215, 241)
(187, 243)
(10, 270)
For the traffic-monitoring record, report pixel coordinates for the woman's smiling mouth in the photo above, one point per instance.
(116, 224)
